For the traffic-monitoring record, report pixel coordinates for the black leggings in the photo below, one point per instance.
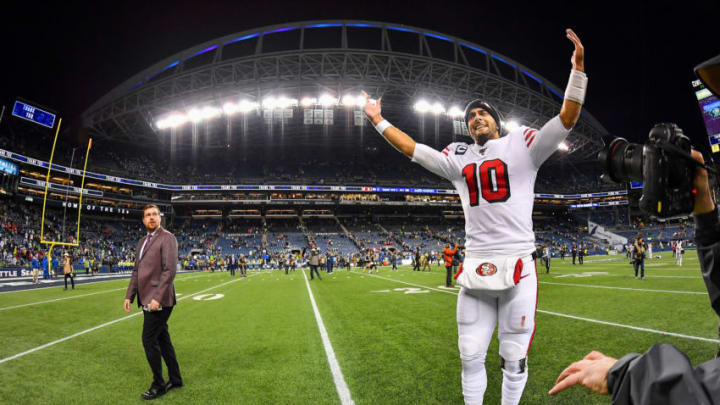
(72, 280)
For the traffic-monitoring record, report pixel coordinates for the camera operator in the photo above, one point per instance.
(639, 262)
(663, 374)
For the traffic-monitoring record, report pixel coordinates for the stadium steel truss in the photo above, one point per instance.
(400, 63)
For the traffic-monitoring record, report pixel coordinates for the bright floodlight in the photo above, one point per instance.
(563, 146)
(308, 101)
(455, 112)
(422, 106)
(230, 108)
(210, 112)
(269, 103)
(246, 106)
(438, 108)
(511, 125)
(195, 115)
(327, 100)
(349, 100)
(284, 102)
(172, 121)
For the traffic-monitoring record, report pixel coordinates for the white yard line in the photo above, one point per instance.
(619, 325)
(340, 384)
(78, 296)
(625, 288)
(54, 342)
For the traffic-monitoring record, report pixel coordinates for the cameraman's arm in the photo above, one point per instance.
(707, 234)
(663, 375)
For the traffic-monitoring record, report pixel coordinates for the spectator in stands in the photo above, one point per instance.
(68, 270)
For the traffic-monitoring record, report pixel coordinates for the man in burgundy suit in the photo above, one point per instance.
(152, 283)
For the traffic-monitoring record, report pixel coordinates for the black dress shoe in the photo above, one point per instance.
(153, 392)
(170, 385)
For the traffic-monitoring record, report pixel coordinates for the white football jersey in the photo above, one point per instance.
(496, 184)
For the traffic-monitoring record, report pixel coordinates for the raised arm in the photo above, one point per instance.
(570, 110)
(397, 138)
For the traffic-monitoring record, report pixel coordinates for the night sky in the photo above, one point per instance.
(639, 57)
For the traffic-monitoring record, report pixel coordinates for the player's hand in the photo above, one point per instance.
(578, 56)
(154, 305)
(126, 305)
(592, 372)
(372, 110)
(703, 202)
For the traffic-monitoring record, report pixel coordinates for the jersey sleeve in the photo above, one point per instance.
(439, 163)
(544, 142)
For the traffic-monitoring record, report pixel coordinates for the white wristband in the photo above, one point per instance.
(382, 126)
(577, 85)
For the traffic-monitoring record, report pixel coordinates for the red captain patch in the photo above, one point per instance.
(486, 269)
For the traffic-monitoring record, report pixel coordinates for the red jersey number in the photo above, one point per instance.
(494, 183)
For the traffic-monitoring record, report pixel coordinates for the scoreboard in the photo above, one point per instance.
(710, 109)
(37, 115)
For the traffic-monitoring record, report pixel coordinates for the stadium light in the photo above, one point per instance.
(511, 125)
(563, 146)
(195, 115)
(350, 101)
(172, 121)
(437, 108)
(455, 112)
(230, 108)
(269, 103)
(308, 101)
(284, 102)
(327, 100)
(422, 106)
(209, 112)
(246, 106)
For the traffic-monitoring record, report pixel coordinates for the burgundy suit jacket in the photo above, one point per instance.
(154, 272)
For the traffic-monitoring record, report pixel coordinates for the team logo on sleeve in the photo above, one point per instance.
(486, 269)
(461, 149)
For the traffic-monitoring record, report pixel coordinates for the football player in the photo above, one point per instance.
(495, 178)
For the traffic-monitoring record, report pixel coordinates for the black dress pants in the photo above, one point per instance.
(157, 344)
(448, 277)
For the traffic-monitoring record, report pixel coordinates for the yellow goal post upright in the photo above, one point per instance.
(47, 186)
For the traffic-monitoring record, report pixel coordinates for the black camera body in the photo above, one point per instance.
(664, 166)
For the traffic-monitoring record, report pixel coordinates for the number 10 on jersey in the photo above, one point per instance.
(491, 178)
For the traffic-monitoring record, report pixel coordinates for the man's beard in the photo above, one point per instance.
(481, 139)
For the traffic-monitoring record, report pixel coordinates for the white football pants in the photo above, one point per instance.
(477, 313)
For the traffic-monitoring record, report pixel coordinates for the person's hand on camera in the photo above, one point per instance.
(592, 372)
(703, 202)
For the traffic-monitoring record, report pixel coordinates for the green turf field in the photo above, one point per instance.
(260, 343)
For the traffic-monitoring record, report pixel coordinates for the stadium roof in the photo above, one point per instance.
(295, 61)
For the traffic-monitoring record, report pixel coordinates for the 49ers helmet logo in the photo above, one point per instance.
(486, 269)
